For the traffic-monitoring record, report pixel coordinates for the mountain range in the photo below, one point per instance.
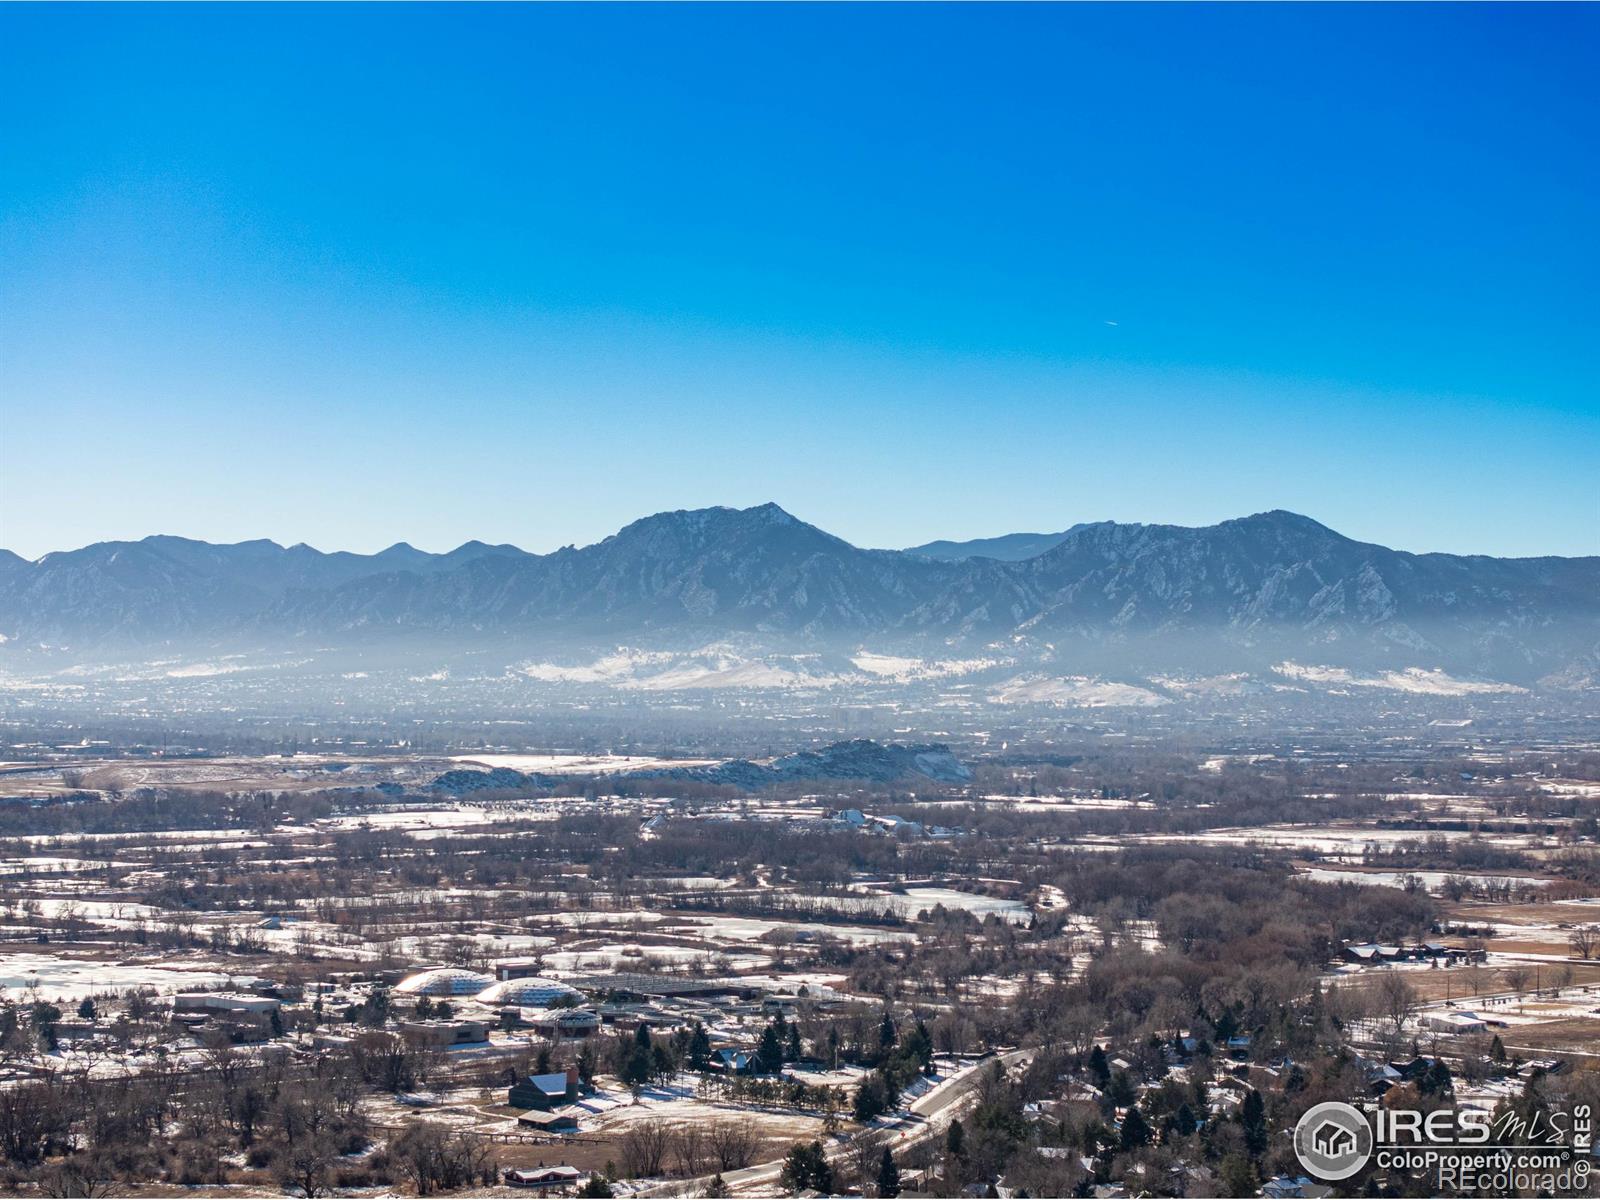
(1241, 595)
(1010, 547)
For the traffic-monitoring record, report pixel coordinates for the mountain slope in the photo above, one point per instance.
(1010, 547)
(1244, 594)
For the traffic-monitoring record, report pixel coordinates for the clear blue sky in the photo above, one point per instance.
(354, 275)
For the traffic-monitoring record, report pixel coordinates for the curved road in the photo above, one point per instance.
(929, 1115)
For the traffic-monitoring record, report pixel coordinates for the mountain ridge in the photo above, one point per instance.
(1273, 585)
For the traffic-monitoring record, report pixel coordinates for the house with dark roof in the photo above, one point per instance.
(545, 1092)
(543, 1179)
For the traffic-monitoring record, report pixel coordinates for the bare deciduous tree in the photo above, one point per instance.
(690, 1148)
(1585, 940)
(644, 1147)
(733, 1143)
(1397, 999)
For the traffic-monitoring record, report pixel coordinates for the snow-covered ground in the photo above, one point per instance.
(1075, 691)
(1418, 680)
(576, 764)
(56, 977)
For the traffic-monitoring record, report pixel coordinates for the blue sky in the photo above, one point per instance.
(351, 275)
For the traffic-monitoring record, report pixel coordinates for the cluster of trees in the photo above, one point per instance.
(689, 1148)
(806, 1169)
(898, 1059)
(295, 1123)
(776, 1092)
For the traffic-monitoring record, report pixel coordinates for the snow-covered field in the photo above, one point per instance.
(576, 764)
(1432, 880)
(57, 977)
(1075, 691)
(1418, 680)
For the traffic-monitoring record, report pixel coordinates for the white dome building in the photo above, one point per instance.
(533, 991)
(443, 981)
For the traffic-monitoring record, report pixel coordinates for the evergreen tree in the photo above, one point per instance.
(699, 1047)
(870, 1100)
(1120, 1090)
(1253, 1116)
(1238, 1176)
(1135, 1131)
(955, 1139)
(1099, 1068)
(45, 1018)
(891, 1089)
(806, 1169)
(769, 1054)
(636, 1067)
(662, 1065)
(1436, 1080)
(888, 1176)
(917, 1046)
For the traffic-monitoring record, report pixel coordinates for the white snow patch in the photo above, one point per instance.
(1075, 691)
(1418, 680)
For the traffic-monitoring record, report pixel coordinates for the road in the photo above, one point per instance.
(929, 1115)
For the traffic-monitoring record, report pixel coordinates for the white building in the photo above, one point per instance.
(444, 981)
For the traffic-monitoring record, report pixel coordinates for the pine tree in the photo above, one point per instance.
(636, 1069)
(1135, 1131)
(1436, 1079)
(955, 1140)
(1238, 1176)
(870, 1100)
(1253, 1116)
(1098, 1067)
(888, 1176)
(806, 1169)
(769, 1054)
(699, 1047)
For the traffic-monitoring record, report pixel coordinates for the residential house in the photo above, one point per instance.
(545, 1091)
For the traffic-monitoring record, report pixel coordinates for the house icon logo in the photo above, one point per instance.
(1333, 1141)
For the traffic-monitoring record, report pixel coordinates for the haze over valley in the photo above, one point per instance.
(692, 604)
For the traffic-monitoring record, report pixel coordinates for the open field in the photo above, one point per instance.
(288, 915)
